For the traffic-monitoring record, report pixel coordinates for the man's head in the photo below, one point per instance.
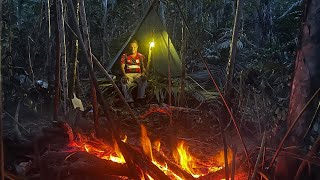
(133, 47)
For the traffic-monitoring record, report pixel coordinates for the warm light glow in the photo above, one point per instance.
(152, 44)
(119, 158)
(186, 160)
(150, 177)
(97, 147)
(125, 138)
(145, 142)
(156, 145)
(189, 163)
(219, 157)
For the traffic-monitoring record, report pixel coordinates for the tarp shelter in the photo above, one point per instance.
(151, 29)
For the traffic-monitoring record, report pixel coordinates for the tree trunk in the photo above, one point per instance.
(161, 12)
(57, 70)
(1, 122)
(88, 48)
(233, 48)
(62, 41)
(49, 59)
(104, 39)
(305, 83)
(73, 89)
(182, 98)
(19, 13)
(257, 22)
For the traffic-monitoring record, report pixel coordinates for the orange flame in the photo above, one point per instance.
(185, 159)
(145, 142)
(97, 147)
(157, 144)
(193, 166)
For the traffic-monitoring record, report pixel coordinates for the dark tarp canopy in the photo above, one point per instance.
(151, 29)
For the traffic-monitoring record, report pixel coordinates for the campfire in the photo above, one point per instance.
(151, 161)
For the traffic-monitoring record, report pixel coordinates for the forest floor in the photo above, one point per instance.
(198, 128)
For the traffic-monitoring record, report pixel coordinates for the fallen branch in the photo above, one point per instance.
(312, 151)
(55, 164)
(145, 164)
(233, 166)
(165, 109)
(173, 167)
(259, 156)
(17, 122)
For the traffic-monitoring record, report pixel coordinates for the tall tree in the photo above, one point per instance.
(86, 39)
(233, 46)
(1, 122)
(57, 77)
(105, 34)
(306, 83)
(62, 41)
(183, 52)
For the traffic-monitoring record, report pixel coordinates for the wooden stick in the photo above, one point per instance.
(313, 118)
(172, 166)
(312, 151)
(145, 164)
(234, 155)
(290, 129)
(17, 122)
(85, 31)
(225, 153)
(16, 118)
(259, 156)
(82, 163)
(263, 159)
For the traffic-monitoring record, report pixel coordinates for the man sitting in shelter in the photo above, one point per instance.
(133, 71)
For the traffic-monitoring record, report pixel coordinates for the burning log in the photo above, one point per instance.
(145, 164)
(173, 167)
(60, 165)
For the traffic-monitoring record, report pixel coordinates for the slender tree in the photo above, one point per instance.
(105, 34)
(57, 69)
(86, 39)
(182, 98)
(233, 46)
(306, 83)
(1, 120)
(74, 86)
(62, 41)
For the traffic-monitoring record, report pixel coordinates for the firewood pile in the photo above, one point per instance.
(60, 153)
